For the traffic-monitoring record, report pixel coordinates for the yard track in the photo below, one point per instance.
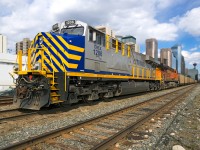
(6, 101)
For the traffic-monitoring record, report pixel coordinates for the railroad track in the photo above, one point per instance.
(2, 96)
(105, 130)
(14, 114)
(6, 101)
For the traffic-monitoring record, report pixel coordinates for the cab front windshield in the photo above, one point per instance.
(73, 30)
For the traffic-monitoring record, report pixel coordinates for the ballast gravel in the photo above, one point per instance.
(178, 128)
(24, 129)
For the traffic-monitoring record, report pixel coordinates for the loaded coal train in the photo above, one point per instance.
(77, 62)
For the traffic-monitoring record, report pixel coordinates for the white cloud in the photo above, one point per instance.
(162, 4)
(190, 22)
(190, 58)
(25, 18)
(194, 49)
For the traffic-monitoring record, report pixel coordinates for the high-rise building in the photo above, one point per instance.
(182, 65)
(3, 44)
(180, 62)
(174, 62)
(152, 48)
(23, 45)
(166, 56)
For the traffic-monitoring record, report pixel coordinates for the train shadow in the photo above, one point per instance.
(56, 109)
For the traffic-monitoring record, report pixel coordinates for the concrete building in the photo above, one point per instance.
(26, 44)
(106, 30)
(23, 45)
(180, 63)
(130, 40)
(119, 37)
(19, 46)
(166, 56)
(152, 48)
(3, 44)
(7, 62)
(193, 73)
(137, 48)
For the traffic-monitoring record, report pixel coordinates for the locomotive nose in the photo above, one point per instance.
(38, 41)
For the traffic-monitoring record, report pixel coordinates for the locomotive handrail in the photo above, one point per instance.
(64, 70)
(49, 54)
(32, 50)
(113, 43)
(19, 59)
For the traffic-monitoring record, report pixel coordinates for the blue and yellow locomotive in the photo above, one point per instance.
(76, 62)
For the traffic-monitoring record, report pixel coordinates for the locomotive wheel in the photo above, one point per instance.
(155, 87)
(101, 96)
(85, 100)
(151, 86)
(159, 87)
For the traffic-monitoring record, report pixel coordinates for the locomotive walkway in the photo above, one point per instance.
(106, 130)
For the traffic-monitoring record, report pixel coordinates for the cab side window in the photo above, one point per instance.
(103, 40)
(90, 35)
(96, 37)
(98, 41)
(113, 43)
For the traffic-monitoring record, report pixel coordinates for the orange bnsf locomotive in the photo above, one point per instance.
(76, 62)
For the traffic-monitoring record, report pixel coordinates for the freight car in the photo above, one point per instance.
(76, 62)
(184, 80)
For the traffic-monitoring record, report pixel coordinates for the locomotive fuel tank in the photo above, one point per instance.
(134, 87)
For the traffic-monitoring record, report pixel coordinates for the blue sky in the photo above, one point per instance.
(169, 21)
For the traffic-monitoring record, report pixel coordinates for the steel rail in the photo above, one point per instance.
(6, 101)
(18, 116)
(8, 110)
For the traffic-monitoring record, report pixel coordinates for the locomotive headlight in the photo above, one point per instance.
(41, 40)
(15, 67)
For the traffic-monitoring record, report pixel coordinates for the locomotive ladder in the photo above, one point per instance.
(54, 94)
(55, 97)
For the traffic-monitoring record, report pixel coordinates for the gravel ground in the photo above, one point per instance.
(24, 129)
(180, 127)
(6, 107)
(185, 128)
